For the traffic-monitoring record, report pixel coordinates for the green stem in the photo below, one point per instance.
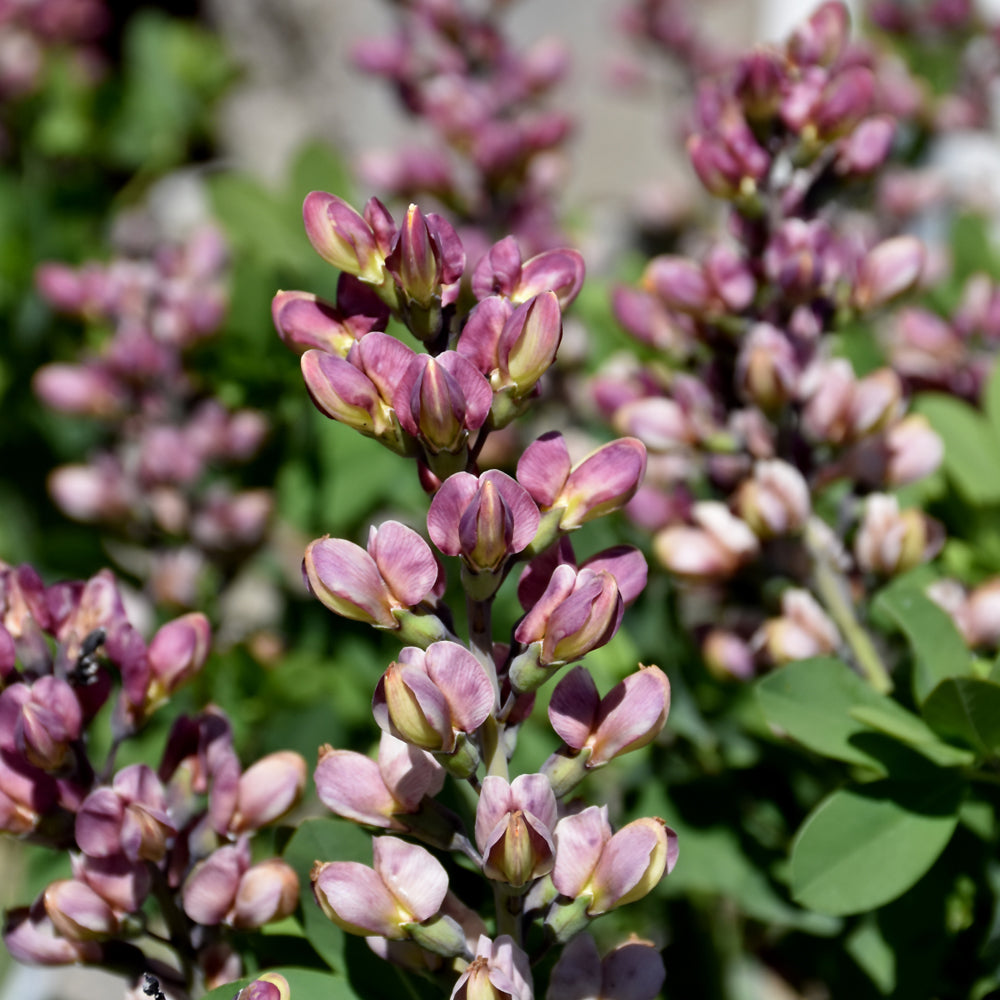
(832, 590)
(481, 641)
(509, 909)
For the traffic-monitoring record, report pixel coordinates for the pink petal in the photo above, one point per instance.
(347, 580)
(580, 841)
(210, 890)
(412, 874)
(495, 802)
(350, 785)
(405, 561)
(626, 564)
(544, 467)
(408, 772)
(523, 509)
(462, 679)
(446, 509)
(559, 271)
(357, 899)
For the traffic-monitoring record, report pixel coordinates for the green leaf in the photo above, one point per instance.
(324, 839)
(305, 984)
(938, 648)
(828, 708)
(318, 168)
(967, 709)
(862, 847)
(894, 720)
(866, 945)
(971, 448)
(991, 400)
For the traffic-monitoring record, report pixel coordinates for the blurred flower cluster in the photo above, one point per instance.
(155, 484)
(496, 161)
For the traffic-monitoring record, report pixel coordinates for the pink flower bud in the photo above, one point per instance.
(610, 870)
(269, 986)
(887, 271)
(558, 271)
(766, 368)
(123, 884)
(31, 938)
(915, 450)
(500, 971)
(267, 892)
(680, 283)
(342, 237)
(77, 912)
(605, 480)
(345, 394)
(429, 698)
(359, 789)
(891, 541)
(397, 571)
(407, 885)
(415, 261)
(40, 721)
(821, 39)
(712, 550)
(267, 790)
(775, 501)
(802, 631)
(440, 400)
(627, 718)
(304, 321)
(484, 519)
(867, 147)
(177, 652)
(210, 888)
(130, 817)
(514, 824)
(727, 655)
(79, 389)
(26, 794)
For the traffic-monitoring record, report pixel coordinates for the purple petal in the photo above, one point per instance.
(475, 388)
(632, 862)
(347, 580)
(481, 333)
(99, 823)
(631, 714)
(498, 271)
(538, 572)
(408, 772)
(626, 564)
(495, 802)
(446, 510)
(633, 971)
(534, 625)
(604, 481)
(523, 509)
(210, 890)
(544, 467)
(304, 321)
(384, 359)
(577, 974)
(533, 794)
(573, 707)
(559, 271)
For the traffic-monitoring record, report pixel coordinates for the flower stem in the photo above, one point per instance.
(832, 590)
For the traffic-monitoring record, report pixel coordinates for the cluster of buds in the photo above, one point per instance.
(495, 162)
(179, 834)
(152, 482)
(31, 30)
(751, 417)
(450, 708)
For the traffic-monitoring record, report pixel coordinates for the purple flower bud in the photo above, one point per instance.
(210, 888)
(498, 271)
(632, 971)
(889, 269)
(484, 519)
(40, 721)
(527, 346)
(866, 147)
(31, 938)
(85, 390)
(579, 611)
(680, 283)
(610, 870)
(130, 817)
(500, 971)
(821, 39)
(77, 912)
(440, 400)
(767, 369)
(514, 825)
(558, 271)
(727, 655)
(176, 653)
(342, 237)
(605, 480)
(123, 884)
(26, 794)
(357, 788)
(415, 261)
(429, 698)
(397, 571)
(343, 393)
(269, 986)
(844, 101)
(267, 790)
(407, 885)
(305, 321)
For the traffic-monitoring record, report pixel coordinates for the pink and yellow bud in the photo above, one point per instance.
(888, 270)
(415, 262)
(342, 237)
(775, 501)
(803, 630)
(269, 986)
(500, 971)
(77, 912)
(712, 549)
(890, 541)
(176, 653)
(407, 885)
(267, 790)
(514, 824)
